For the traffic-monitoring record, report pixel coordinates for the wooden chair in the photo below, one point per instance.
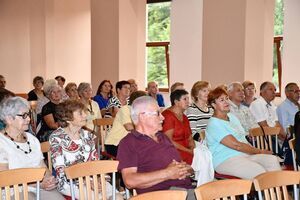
(103, 125)
(45, 147)
(87, 171)
(223, 189)
(292, 143)
(259, 140)
(13, 178)
(163, 194)
(273, 184)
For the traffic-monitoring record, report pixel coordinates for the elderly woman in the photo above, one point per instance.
(20, 149)
(116, 102)
(231, 153)
(249, 91)
(199, 112)
(104, 93)
(4, 94)
(37, 92)
(70, 144)
(85, 93)
(122, 125)
(49, 121)
(177, 127)
(71, 91)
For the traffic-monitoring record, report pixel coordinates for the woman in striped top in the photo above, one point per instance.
(199, 112)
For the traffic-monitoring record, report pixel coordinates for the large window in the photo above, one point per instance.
(278, 41)
(157, 47)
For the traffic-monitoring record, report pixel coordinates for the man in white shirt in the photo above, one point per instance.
(264, 110)
(236, 96)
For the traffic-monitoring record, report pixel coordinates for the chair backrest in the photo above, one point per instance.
(273, 184)
(163, 194)
(103, 126)
(45, 147)
(13, 178)
(259, 140)
(223, 189)
(87, 171)
(292, 143)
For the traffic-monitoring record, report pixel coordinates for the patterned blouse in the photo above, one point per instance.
(66, 152)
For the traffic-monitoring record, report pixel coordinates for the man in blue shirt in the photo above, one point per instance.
(153, 92)
(290, 106)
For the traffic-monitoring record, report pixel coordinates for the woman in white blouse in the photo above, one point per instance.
(20, 149)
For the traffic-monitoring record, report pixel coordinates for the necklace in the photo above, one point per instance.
(91, 108)
(17, 146)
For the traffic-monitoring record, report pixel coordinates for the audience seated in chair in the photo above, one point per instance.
(104, 93)
(71, 91)
(231, 153)
(20, 149)
(177, 126)
(70, 144)
(147, 158)
(121, 99)
(85, 93)
(264, 110)
(199, 112)
(249, 91)
(244, 115)
(287, 110)
(49, 122)
(152, 90)
(121, 126)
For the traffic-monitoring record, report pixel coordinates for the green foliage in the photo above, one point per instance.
(158, 30)
(278, 18)
(159, 22)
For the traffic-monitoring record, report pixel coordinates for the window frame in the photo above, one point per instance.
(166, 45)
(277, 41)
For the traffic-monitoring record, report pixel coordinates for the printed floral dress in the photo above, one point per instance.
(66, 152)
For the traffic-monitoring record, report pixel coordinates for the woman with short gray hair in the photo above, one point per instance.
(49, 122)
(20, 149)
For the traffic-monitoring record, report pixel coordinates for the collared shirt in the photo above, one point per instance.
(141, 151)
(244, 115)
(263, 111)
(286, 112)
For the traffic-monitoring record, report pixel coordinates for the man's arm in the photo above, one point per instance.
(174, 170)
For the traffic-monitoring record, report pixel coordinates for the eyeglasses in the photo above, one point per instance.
(24, 115)
(154, 113)
(294, 91)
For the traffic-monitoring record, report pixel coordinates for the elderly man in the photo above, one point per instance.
(153, 92)
(264, 110)
(148, 159)
(287, 110)
(236, 96)
(2, 81)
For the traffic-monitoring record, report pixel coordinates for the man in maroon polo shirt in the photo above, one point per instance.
(148, 160)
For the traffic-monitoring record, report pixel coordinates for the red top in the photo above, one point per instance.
(182, 132)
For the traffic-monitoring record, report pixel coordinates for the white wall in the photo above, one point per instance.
(291, 42)
(186, 42)
(46, 38)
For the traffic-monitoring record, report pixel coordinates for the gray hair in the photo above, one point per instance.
(81, 87)
(138, 106)
(49, 86)
(232, 85)
(12, 106)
